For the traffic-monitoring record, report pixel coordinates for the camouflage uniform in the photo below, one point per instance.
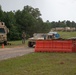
(23, 37)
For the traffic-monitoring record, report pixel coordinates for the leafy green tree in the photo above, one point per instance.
(1, 13)
(28, 19)
(10, 22)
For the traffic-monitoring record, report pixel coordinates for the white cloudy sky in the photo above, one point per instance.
(52, 10)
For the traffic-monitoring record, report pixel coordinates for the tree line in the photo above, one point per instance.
(29, 20)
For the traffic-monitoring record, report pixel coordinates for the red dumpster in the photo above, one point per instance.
(54, 46)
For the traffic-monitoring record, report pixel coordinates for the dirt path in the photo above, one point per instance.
(6, 53)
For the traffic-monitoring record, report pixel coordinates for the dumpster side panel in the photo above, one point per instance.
(53, 46)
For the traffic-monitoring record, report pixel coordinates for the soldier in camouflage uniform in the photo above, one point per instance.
(23, 37)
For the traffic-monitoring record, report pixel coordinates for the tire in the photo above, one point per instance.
(30, 44)
(5, 42)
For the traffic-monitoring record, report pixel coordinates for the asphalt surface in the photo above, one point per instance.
(6, 53)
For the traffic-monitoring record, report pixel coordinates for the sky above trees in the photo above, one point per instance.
(52, 10)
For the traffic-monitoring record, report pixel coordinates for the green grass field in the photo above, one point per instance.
(67, 34)
(14, 44)
(40, 64)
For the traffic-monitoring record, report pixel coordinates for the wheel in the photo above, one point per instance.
(5, 42)
(30, 44)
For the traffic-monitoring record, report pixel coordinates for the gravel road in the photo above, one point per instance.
(6, 53)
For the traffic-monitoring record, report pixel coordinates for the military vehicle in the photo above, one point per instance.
(3, 33)
(42, 36)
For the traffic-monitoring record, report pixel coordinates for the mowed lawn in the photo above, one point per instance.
(40, 64)
(66, 35)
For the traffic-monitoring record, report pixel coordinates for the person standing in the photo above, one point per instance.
(23, 37)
